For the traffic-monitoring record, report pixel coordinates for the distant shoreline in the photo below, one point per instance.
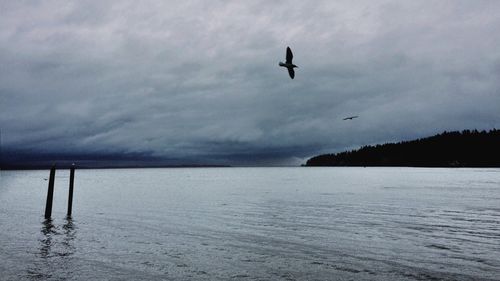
(222, 166)
(466, 149)
(63, 167)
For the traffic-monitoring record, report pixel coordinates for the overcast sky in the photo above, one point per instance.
(200, 79)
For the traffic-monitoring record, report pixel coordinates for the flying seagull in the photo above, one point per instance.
(350, 118)
(288, 64)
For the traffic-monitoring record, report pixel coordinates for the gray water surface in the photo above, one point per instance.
(253, 224)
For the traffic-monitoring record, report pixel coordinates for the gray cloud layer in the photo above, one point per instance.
(200, 80)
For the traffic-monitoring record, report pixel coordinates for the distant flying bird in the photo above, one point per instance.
(288, 64)
(350, 118)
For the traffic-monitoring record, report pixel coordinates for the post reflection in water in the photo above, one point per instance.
(48, 230)
(56, 248)
(69, 236)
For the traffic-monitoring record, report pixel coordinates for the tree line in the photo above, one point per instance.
(469, 148)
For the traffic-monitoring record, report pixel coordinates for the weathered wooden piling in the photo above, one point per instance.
(50, 193)
(70, 195)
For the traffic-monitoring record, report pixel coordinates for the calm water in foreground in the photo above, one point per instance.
(253, 224)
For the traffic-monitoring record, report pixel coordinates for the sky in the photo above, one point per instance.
(199, 81)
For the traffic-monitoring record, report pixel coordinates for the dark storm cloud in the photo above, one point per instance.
(199, 80)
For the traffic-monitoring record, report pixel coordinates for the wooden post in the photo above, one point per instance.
(70, 195)
(50, 193)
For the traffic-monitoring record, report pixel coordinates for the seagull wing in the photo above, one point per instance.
(289, 55)
(350, 118)
(291, 72)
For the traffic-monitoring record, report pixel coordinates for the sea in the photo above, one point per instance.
(280, 223)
